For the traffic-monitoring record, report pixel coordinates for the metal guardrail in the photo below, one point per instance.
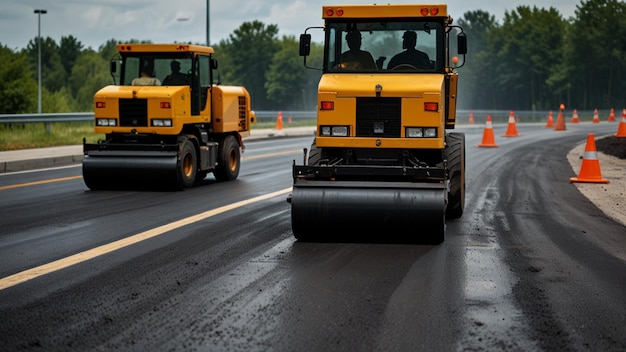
(262, 116)
(58, 117)
(480, 116)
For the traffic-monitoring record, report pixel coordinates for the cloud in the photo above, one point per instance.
(95, 22)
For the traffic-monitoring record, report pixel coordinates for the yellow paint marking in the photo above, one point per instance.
(125, 242)
(39, 182)
(2, 188)
(273, 154)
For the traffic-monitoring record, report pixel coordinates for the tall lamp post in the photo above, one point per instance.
(39, 12)
(208, 41)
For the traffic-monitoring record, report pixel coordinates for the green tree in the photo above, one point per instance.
(18, 90)
(69, 50)
(250, 50)
(476, 83)
(108, 49)
(53, 75)
(522, 54)
(89, 74)
(286, 77)
(598, 50)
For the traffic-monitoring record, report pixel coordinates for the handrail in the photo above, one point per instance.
(262, 116)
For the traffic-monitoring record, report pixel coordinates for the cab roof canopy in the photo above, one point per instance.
(384, 11)
(164, 48)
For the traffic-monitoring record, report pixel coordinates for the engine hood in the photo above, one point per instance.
(387, 85)
(129, 92)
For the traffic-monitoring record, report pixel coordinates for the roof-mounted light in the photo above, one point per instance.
(425, 11)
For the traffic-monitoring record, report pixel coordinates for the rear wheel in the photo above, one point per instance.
(455, 153)
(187, 164)
(229, 160)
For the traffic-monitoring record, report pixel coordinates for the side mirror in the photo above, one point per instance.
(214, 64)
(305, 44)
(115, 63)
(462, 43)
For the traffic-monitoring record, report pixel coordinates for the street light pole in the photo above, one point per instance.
(208, 40)
(39, 12)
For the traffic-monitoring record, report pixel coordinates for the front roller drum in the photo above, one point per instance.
(116, 172)
(379, 214)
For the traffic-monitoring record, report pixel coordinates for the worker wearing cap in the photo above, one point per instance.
(410, 56)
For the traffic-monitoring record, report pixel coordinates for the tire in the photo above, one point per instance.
(229, 160)
(187, 165)
(455, 153)
(314, 155)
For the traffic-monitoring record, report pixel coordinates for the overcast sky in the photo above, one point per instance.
(93, 22)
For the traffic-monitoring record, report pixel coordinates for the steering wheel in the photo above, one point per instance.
(404, 67)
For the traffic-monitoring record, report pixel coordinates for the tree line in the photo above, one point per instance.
(534, 59)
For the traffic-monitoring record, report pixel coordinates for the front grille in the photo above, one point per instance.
(134, 112)
(378, 117)
(243, 122)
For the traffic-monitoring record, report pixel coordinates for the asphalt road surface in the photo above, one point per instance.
(531, 265)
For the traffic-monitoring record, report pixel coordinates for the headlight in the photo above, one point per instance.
(162, 122)
(106, 122)
(335, 131)
(340, 131)
(421, 132)
(414, 132)
(430, 132)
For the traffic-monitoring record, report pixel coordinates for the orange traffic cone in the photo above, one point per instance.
(621, 128)
(590, 168)
(575, 118)
(511, 130)
(289, 119)
(560, 121)
(550, 122)
(471, 118)
(279, 121)
(596, 118)
(488, 137)
(611, 116)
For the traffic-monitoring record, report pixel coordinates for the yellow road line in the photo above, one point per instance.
(39, 182)
(2, 188)
(44, 269)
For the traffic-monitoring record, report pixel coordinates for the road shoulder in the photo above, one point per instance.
(608, 197)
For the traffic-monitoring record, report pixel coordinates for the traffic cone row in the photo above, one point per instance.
(596, 118)
(575, 118)
(611, 116)
(511, 129)
(279, 121)
(550, 123)
(590, 168)
(621, 128)
(489, 139)
(560, 121)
